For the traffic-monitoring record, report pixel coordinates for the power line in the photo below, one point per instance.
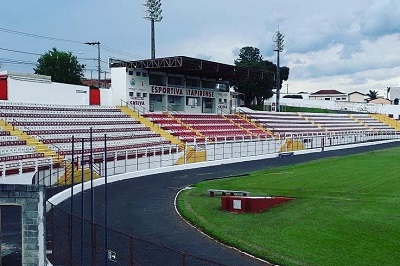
(16, 51)
(15, 61)
(26, 34)
(107, 48)
(21, 33)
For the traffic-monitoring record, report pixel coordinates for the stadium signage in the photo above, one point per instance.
(179, 92)
(200, 93)
(166, 90)
(137, 102)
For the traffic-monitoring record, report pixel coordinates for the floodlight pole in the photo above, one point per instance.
(153, 13)
(278, 48)
(98, 60)
(153, 41)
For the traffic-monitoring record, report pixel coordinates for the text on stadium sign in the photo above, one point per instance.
(179, 91)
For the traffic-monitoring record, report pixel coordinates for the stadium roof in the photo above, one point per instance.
(192, 67)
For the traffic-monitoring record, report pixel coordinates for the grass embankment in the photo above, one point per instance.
(286, 108)
(346, 212)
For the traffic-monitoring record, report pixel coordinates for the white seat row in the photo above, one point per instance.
(132, 134)
(14, 150)
(100, 144)
(8, 138)
(49, 120)
(127, 126)
(8, 103)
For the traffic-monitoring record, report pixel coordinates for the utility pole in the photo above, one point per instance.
(98, 59)
(153, 13)
(278, 40)
(287, 88)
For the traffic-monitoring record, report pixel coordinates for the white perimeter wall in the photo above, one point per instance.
(343, 106)
(106, 98)
(118, 85)
(24, 91)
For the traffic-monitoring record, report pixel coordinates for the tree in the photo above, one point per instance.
(372, 94)
(62, 66)
(259, 89)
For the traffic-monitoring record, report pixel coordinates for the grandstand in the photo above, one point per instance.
(39, 136)
(157, 113)
(290, 123)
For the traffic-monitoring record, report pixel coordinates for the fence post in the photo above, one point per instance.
(131, 250)
(183, 258)
(94, 246)
(52, 228)
(70, 237)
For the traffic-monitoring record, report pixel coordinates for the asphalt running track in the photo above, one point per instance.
(143, 206)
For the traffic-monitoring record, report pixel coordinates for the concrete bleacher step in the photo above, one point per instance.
(198, 133)
(192, 156)
(263, 129)
(362, 123)
(66, 178)
(292, 145)
(31, 141)
(153, 127)
(387, 120)
(313, 122)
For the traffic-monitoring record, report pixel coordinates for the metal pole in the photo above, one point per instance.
(98, 59)
(98, 62)
(153, 41)
(105, 198)
(72, 192)
(82, 206)
(278, 82)
(91, 190)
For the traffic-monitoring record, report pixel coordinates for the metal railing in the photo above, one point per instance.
(73, 240)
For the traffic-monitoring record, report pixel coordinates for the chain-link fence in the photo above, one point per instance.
(72, 240)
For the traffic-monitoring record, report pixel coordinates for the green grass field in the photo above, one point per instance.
(346, 212)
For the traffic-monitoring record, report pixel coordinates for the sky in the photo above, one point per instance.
(346, 45)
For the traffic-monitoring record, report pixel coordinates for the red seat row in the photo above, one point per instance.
(69, 140)
(13, 143)
(120, 148)
(83, 109)
(76, 123)
(113, 116)
(77, 131)
(21, 157)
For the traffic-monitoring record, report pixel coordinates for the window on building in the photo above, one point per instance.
(343, 98)
(158, 80)
(327, 99)
(138, 94)
(138, 73)
(131, 93)
(144, 74)
(192, 83)
(337, 99)
(130, 72)
(175, 81)
(144, 94)
(222, 87)
(207, 84)
(192, 101)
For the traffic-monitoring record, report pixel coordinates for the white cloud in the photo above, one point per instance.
(338, 44)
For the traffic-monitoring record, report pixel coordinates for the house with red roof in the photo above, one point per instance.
(329, 95)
